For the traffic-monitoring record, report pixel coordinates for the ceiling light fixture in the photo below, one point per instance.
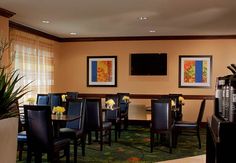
(46, 21)
(152, 31)
(73, 33)
(143, 18)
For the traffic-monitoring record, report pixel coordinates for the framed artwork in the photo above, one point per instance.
(102, 71)
(195, 71)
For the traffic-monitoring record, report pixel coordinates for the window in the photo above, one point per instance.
(34, 59)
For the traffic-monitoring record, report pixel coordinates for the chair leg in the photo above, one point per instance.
(126, 123)
(151, 141)
(29, 156)
(20, 149)
(199, 139)
(96, 135)
(89, 137)
(101, 140)
(68, 154)
(116, 130)
(119, 129)
(110, 137)
(170, 143)
(38, 157)
(75, 150)
(83, 138)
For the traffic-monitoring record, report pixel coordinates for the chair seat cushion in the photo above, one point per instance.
(185, 124)
(107, 125)
(70, 133)
(60, 143)
(124, 114)
(22, 136)
(116, 120)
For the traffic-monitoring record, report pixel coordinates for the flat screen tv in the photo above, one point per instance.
(148, 64)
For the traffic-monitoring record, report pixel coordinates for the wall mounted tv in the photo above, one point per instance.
(148, 64)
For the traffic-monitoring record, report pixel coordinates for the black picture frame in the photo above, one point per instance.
(195, 71)
(102, 71)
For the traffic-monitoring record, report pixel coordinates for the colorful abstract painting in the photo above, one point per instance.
(101, 71)
(195, 71)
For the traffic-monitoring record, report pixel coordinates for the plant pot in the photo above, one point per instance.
(8, 140)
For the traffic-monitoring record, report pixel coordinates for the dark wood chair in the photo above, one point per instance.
(75, 129)
(178, 115)
(124, 109)
(161, 120)
(94, 121)
(39, 132)
(72, 95)
(113, 116)
(55, 99)
(42, 99)
(190, 128)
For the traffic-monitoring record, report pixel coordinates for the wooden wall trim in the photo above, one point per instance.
(6, 13)
(142, 38)
(150, 96)
(33, 31)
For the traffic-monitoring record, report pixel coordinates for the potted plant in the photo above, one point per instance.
(9, 96)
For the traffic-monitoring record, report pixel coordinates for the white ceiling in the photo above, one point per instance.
(120, 18)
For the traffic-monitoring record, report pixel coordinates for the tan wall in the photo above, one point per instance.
(4, 27)
(70, 73)
(4, 33)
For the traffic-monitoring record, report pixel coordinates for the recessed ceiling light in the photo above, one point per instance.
(143, 18)
(46, 21)
(73, 33)
(152, 31)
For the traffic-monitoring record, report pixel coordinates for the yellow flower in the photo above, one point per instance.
(172, 103)
(126, 98)
(63, 97)
(31, 100)
(110, 103)
(58, 109)
(181, 100)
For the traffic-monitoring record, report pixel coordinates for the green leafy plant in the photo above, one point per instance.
(9, 94)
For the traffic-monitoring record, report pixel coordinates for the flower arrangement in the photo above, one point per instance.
(63, 97)
(181, 100)
(58, 110)
(126, 99)
(31, 100)
(172, 104)
(110, 103)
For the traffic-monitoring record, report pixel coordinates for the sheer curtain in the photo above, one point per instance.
(34, 59)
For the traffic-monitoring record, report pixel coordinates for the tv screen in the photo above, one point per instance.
(148, 64)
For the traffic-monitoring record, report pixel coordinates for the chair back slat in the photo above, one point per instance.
(124, 107)
(42, 99)
(112, 114)
(72, 95)
(76, 107)
(161, 116)
(201, 111)
(39, 128)
(93, 114)
(55, 99)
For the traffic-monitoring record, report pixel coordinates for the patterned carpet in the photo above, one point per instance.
(134, 146)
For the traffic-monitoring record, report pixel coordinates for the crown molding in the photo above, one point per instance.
(128, 38)
(6, 13)
(142, 38)
(33, 31)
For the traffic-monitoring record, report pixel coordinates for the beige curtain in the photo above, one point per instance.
(34, 59)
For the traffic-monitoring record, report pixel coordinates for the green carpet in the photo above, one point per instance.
(134, 146)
